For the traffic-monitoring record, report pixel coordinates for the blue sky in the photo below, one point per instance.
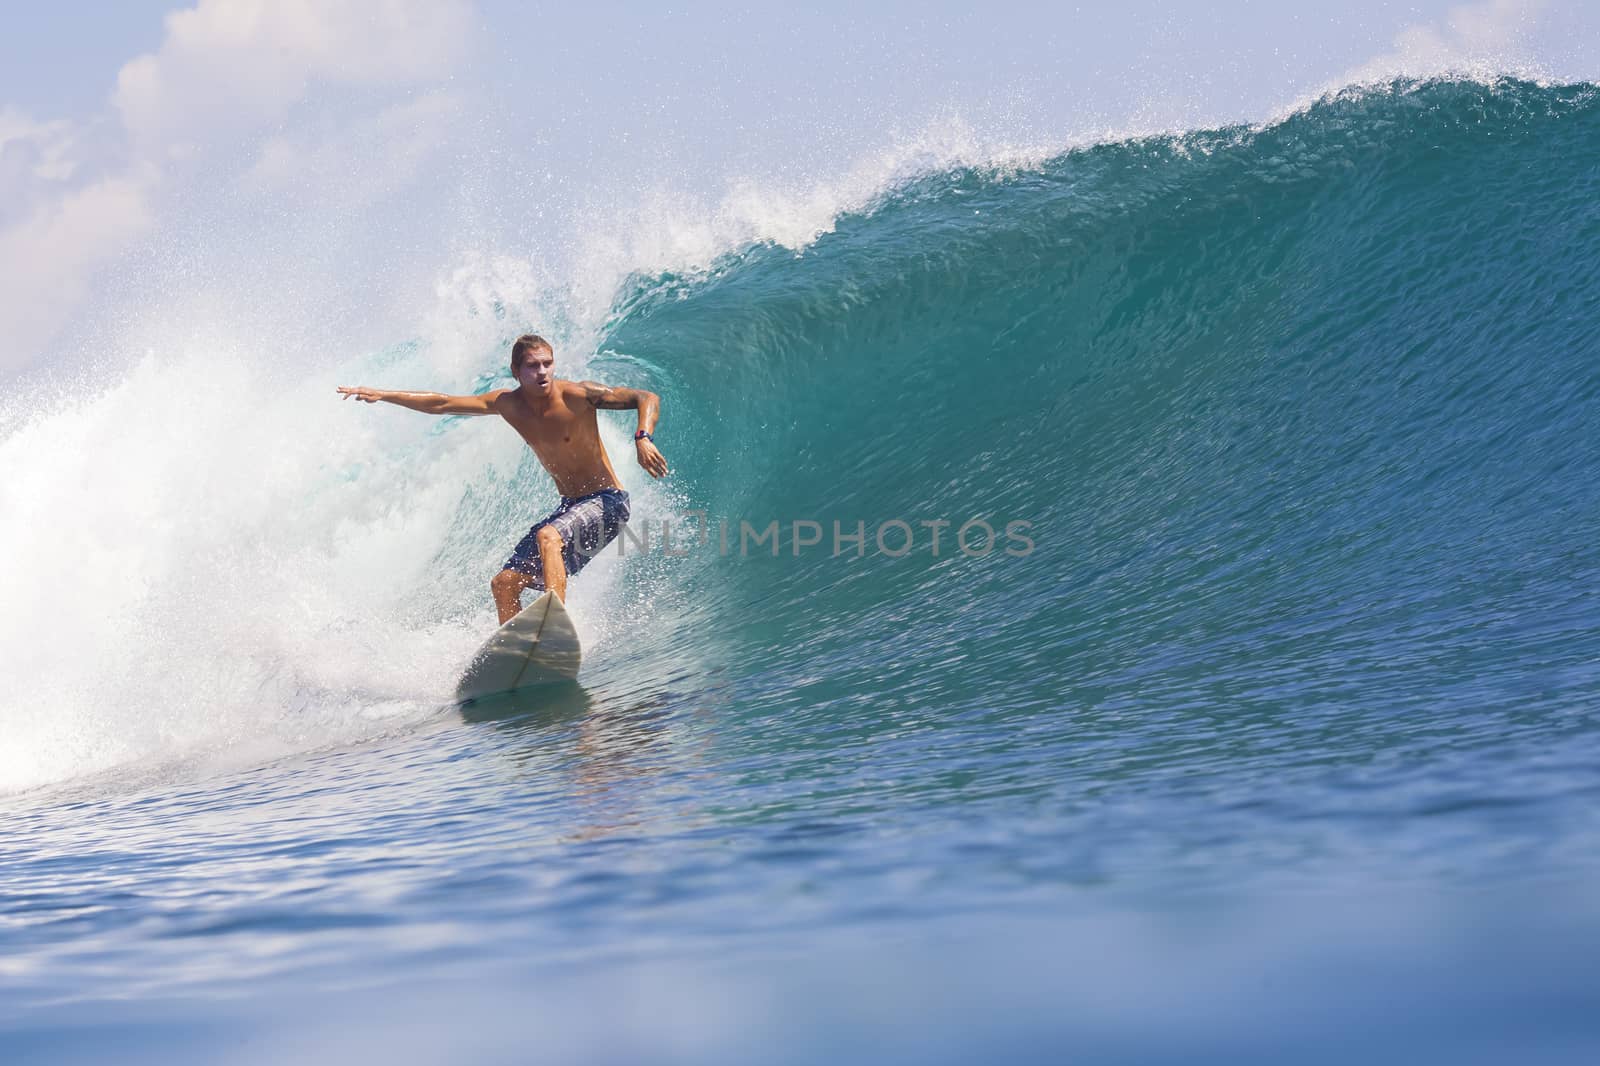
(401, 138)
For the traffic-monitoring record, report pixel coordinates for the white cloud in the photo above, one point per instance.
(35, 159)
(48, 259)
(355, 163)
(48, 143)
(227, 62)
(225, 68)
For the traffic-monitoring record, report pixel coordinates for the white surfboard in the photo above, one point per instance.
(536, 647)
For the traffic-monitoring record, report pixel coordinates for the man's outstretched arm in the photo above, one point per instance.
(430, 403)
(648, 404)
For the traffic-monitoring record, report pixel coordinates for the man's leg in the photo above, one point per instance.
(507, 587)
(555, 567)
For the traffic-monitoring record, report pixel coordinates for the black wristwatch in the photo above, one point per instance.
(642, 435)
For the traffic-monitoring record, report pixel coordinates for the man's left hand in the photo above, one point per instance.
(651, 459)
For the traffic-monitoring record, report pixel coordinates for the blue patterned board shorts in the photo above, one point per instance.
(586, 524)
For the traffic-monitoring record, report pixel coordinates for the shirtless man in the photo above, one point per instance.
(557, 419)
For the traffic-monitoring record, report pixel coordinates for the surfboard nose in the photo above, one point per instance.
(537, 647)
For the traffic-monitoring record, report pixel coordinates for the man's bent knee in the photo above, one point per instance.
(510, 581)
(549, 537)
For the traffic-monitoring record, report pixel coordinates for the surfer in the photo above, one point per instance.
(557, 419)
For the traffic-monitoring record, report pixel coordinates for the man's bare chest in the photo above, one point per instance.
(554, 428)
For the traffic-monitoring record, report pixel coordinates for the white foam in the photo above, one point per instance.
(200, 554)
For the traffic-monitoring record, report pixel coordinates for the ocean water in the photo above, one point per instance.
(1264, 725)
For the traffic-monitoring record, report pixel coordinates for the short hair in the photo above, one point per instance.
(528, 342)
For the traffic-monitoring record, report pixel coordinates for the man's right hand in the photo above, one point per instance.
(429, 403)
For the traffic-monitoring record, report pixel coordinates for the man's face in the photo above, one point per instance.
(538, 372)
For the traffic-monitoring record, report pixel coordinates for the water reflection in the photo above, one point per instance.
(539, 707)
(620, 754)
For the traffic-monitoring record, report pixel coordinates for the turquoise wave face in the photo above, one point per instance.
(1302, 419)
